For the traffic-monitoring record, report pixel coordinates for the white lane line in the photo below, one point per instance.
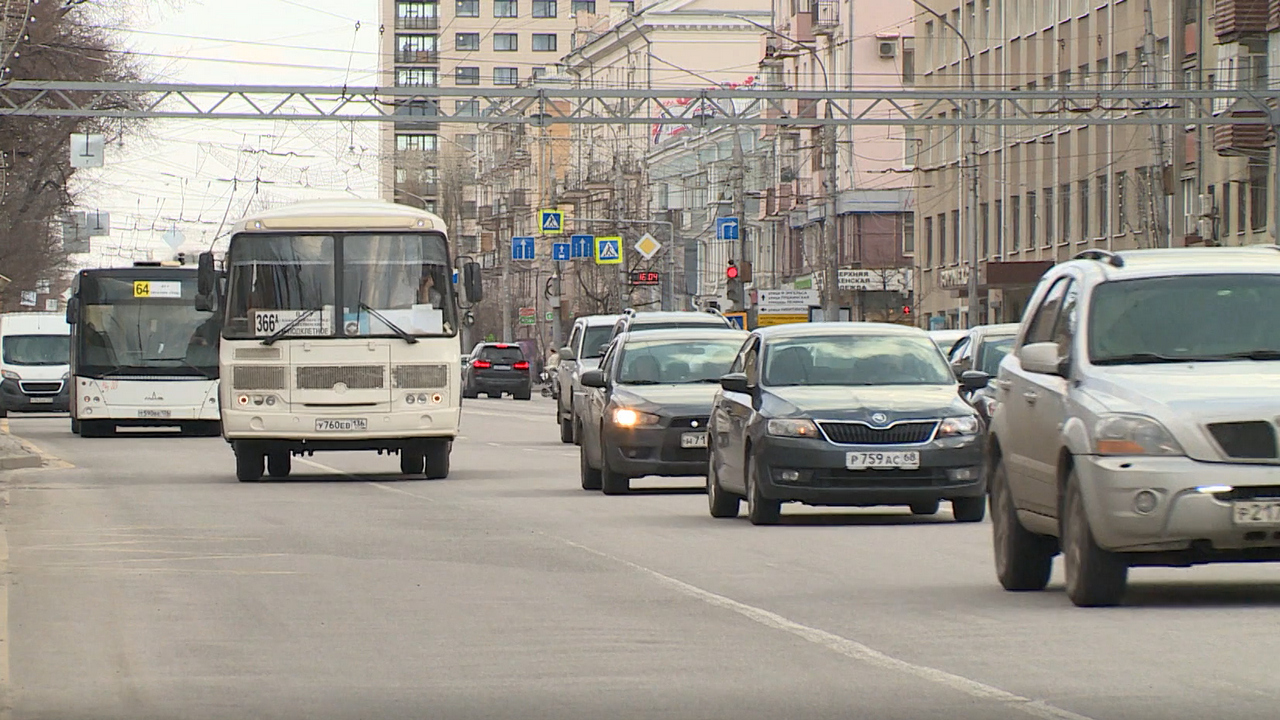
(841, 645)
(6, 689)
(844, 646)
(380, 486)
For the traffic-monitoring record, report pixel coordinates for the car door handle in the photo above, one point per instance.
(1030, 397)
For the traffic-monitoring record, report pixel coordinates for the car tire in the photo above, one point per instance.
(437, 460)
(4, 413)
(1095, 577)
(75, 426)
(760, 510)
(590, 475)
(279, 464)
(577, 431)
(925, 508)
(1024, 560)
(413, 461)
(566, 432)
(721, 502)
(969, 509)
(469, 392)
(611, 483)
(523, 395)
(250, 462)
(96, 428)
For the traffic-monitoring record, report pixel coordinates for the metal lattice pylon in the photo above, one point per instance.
(14, 17)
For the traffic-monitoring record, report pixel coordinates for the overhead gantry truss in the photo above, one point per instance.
(540, 106)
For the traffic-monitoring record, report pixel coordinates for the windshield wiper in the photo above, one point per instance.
(181, 361)
(1142, 358)
(273, 337)
(1253, 355)
(642, 382)
(394, 328)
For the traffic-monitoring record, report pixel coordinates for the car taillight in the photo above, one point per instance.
(482, 364)
(522, 365)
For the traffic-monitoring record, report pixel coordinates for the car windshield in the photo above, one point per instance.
(675, 362)
(855, 360)
(991, 352)
(36, 349)
(595, 340)
(149, 326)
(1185, 318)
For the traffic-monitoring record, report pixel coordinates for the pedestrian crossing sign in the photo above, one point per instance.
(608, 250)
(551, 222)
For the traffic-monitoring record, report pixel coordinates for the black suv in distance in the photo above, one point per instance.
(497, 368)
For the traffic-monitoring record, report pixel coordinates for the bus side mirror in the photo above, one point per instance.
(206, 276)
(472, 283)
(73, 309)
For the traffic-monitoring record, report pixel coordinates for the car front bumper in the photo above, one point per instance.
(1184, 518)
(14, 399)
(949, 469)
(636, 452)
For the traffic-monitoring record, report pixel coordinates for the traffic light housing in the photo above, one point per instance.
(744, 272)
(733, 283)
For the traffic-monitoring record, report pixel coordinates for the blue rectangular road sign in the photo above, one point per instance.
(560, 251)
(583, 246)
(551, 222)
(522, 248)
(727, 228)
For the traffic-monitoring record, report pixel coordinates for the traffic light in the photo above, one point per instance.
(733, 289)
(906, 309)
(731, 272)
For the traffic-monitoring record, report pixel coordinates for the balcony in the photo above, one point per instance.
(1236, 18)
(468, 210)
(418, 57)
(1242, 140)
(826, 16)
(1273, 20)
(418, 23)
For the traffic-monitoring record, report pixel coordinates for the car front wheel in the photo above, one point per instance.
(1095, 577)
(612, 483)
(760, 510)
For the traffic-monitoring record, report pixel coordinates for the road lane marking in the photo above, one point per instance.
(6, 689)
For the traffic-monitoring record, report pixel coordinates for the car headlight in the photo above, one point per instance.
(793, 427)
(10, 375)
(959, 426)
(1133, 435)
(627, 417)
(66, 376)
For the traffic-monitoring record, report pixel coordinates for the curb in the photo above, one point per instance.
(19, 462)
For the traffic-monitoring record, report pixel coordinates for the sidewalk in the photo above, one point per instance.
(14, 455)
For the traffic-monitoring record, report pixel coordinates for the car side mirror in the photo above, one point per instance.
(735, 382)
(472, 282)
(567, 353)
(206, 275)
(593, 379)
(1041, 358)
(974, 380)
(73, 309)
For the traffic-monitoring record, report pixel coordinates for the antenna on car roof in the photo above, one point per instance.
(1106, 256)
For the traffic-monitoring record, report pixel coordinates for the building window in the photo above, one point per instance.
(942, 238)
(415, 142)
(955, 236)
(999, 223)
(984, 217)
(506, 42)
(1015, 223)
(466, 108)
(1032, 211)
(539, 73)
(468, 8)
(908, 61)
(544, 42)
(1049, 210)
(506, 76)
(466, 42)
(417, 77)
(544, 8)
(467, 76)
(1122, 211)
(417, 15)
(1064, 217)
(1242, 217)
(927, 237)
(1084, 209)
(1104, 210)
(415, 48)
(506, 9)
(1258, 187)
(587, 6)
(467, 141)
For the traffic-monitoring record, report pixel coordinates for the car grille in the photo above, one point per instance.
(875, 479)
(688, 423)
(257, 377)
(856, 433)
(41, 388)
(258, 353)
(1254, 440)
(356, 377)
(419, 377)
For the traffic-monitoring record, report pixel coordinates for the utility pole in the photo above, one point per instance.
(737, 187)
(1150, 67)
(831, 246)
(1178, 50)
(506, 279)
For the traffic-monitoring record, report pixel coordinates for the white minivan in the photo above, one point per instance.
(35, 351)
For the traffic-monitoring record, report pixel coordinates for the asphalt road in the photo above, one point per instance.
(145, 582)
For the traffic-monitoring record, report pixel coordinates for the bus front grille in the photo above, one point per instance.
(355, 377)
(257, 377)
(419, 377)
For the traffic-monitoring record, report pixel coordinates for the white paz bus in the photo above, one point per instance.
(339, 332)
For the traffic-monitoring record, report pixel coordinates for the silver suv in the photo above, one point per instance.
(1136, 418)
(586, 346)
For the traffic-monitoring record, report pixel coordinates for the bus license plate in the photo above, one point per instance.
(153, 413)
(341, 424)
(693, 440)
(882, 460)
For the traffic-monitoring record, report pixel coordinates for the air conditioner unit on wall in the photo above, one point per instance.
(889, 48)
(1204, 205)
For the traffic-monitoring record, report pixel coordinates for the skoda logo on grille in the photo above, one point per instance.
(879, 418)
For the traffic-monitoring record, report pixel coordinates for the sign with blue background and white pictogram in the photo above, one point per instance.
(584, 246)
(522, 248)
(608, 250)
(551, 222)
(727, 228)
(560, 251)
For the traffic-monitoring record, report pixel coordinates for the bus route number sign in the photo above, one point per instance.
(157, 289)
(269, 321)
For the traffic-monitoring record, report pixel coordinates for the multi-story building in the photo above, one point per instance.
(821, 45)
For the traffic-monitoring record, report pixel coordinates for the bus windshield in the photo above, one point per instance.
(386, 282)
(128, 325)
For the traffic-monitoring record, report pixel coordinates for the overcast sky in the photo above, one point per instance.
(189, 175)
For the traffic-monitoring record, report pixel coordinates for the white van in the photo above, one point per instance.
(34, 362)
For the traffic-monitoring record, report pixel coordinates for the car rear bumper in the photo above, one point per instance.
(636, 452)
(948, 469)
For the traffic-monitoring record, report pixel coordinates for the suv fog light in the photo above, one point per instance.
(789, 475)
(1145, 502)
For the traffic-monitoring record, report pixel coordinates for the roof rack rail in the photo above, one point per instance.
(629, 311)
(1106, 256)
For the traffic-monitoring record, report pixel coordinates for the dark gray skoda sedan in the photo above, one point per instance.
(843, 414)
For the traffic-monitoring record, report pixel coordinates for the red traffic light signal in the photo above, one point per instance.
(906, 309)
(731, 272)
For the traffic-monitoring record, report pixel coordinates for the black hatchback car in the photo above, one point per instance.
(645, 408)
(497, 368)
(843, 414)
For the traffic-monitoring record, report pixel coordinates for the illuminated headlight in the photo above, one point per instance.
(1133, 435)
(626, 417)
(10, 375)
(959, 426)
(793, 427)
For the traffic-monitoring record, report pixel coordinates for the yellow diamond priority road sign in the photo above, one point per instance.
(648, 246)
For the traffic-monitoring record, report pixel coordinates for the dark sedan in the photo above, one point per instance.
(497, 368)
(646, 406)
(981, 352)
(843, 414)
